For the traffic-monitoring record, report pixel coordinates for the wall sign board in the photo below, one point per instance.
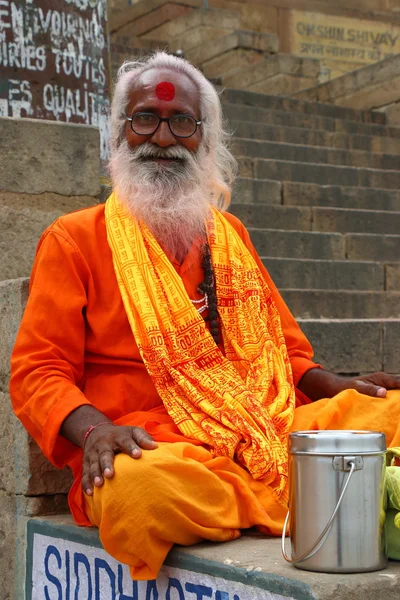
(54, 61)
(342, 44)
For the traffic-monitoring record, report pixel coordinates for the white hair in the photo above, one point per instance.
(221, 163)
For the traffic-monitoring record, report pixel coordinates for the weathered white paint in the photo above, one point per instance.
(99, 5)
(63, 570)
(20, 98)
(3, 107)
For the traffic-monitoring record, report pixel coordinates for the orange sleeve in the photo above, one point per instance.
(47, 363)
(299, 348)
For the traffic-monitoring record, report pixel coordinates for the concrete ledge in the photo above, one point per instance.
(44, 156)
(250, 568)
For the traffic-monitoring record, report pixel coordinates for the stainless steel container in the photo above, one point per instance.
(337, 501)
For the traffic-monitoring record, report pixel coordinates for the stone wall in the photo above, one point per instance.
(46, 169)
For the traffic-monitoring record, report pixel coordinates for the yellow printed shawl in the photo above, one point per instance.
(240, 404)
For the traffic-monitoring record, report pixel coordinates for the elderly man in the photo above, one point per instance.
(156, 357)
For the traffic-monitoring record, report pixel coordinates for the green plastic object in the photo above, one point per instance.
(392, 524)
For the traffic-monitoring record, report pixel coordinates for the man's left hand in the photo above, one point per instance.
(377, 384)
(318, 383)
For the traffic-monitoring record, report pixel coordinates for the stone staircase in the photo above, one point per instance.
(230, 42)
(318, 191)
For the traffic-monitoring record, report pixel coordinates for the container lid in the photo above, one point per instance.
(337, 442)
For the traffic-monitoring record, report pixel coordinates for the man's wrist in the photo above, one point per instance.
(318, 383)
(76, 425)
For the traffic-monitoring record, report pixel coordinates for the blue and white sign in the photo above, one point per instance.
(67, 570)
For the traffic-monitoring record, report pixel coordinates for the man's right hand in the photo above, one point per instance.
(102, 443)
(101, 446)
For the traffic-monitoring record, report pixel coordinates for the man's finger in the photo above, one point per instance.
(86, 484)
(369, 389)
(127, 445)
(390, 382)
(143, 439)
(95, 474)
(106, 457)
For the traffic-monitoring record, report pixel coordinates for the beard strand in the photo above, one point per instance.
(171, 198)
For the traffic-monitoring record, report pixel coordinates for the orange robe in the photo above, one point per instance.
(75, 347)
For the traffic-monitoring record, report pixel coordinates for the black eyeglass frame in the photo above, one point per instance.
(167, 120)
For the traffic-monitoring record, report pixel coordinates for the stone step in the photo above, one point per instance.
(280, 74)
(250, 568)
(299, 244)
(321, 219)
(248, 190)
(303, 274)
(239, 49)
(195, 28)
(316, 137)
(392, 277)
(267, 191)
(331, 195)
(282, 170)
(138, 18)
(211, 17)
(257, 114)
(327, 246)
(270, 102)
(123, 47)
(371, 86)
(315, 154)
(340, 304)
(280, 84)
(355, 345)
(373, 247)
(264, 216)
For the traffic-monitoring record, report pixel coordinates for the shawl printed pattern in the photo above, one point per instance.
(241, 405)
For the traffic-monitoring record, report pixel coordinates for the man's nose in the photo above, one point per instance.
(163, 136)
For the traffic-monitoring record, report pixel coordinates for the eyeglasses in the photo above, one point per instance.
(181, 126)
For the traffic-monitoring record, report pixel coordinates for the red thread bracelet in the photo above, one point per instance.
(89, 431)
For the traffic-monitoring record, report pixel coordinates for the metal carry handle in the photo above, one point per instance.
(322, 538)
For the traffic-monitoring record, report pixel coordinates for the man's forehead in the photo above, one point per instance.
(165, 85)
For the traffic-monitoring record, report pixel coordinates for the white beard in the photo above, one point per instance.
(172, 199)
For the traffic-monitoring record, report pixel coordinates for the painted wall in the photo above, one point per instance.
(54, 61)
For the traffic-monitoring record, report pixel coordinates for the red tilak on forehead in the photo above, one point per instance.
(165, 91)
